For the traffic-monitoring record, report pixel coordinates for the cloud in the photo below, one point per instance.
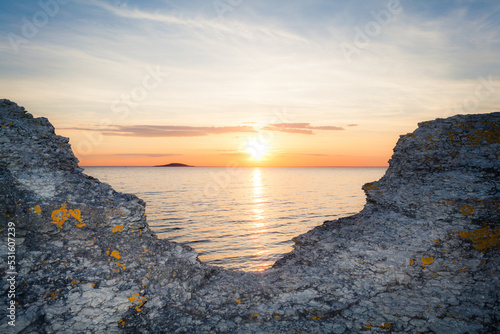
(135, 13)
(300, 128)
(352, 124)
(199, 23)
(166, 130)
(299, 131)
(146, 155)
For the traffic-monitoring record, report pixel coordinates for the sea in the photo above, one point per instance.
(241, 218)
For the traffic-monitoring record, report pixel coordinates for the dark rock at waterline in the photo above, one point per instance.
(422, 256)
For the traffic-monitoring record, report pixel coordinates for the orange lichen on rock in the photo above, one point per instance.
(60, 216)
(483, 238)
(467, 210)
(118, 228)
(38, 209)
(51, 294)
(427, 260)
(487, 136)
(115, 254)
(140, 299)
(370, 186)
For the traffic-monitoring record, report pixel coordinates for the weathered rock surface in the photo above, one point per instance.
(422, 256)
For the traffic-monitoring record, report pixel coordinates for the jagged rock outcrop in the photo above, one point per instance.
(85, 257)
(422, 256)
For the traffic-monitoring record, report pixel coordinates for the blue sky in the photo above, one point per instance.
(237, 62)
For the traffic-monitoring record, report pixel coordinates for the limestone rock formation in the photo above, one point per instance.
(85, 257)
(422, 256)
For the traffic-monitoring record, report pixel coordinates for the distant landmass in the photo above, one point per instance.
(174, 165)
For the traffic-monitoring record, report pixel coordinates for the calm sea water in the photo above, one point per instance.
(242, 218)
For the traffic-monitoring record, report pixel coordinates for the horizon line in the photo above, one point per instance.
(251, 166)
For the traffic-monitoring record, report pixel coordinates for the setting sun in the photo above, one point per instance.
(256, 148)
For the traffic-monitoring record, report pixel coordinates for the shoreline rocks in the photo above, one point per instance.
(422, 256)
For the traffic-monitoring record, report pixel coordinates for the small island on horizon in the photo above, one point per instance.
(174, 164)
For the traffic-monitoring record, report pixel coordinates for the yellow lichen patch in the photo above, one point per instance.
(74, 282)
(238, 301)
(368, 326)
(483, 238)
(370, 186)
(411, 261)
(138, 298)
(255, 315)
(49, 294)
(118, 228)
(60, 216)
(80, 225)
(38, 209)
(427, 260)
(115, 254)
(467, 210)
(121, 322)
(489, 136)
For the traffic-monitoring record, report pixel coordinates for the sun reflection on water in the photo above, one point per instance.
(258, 228)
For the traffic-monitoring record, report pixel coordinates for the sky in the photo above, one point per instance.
(247, 82)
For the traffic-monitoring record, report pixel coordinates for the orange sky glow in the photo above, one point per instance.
(261, 148)
(261, 83)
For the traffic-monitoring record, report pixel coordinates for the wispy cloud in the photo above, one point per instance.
(202, 23)
(166, 130)
(150, 155)
(134, 13)
(300, 128)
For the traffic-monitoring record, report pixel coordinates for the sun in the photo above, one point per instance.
(256, 148)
